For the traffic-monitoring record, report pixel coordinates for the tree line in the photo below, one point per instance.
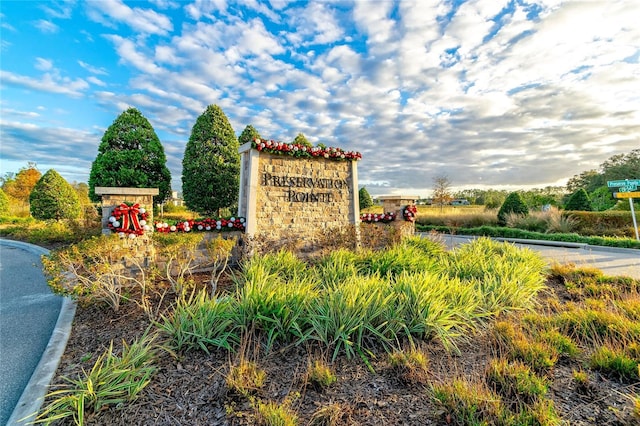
(130, 154)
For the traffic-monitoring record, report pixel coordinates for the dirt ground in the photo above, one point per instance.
(191, 389)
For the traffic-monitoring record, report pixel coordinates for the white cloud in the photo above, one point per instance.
(142, 20)
(92, 69)
(43, 64)
(50, 83)
(204, 8)
(46, 27)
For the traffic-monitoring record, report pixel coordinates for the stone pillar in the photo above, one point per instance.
(113, 196)
(249, 161)
(397, 204)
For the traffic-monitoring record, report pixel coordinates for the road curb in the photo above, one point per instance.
(33, 394)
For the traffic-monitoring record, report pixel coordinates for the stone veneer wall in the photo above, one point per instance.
(396, 204)
(113, 196)
(282, 195)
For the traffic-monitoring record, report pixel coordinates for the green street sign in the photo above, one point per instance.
(623, 183)
(628, 188)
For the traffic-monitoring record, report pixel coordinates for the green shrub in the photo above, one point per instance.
(131, 155)
(579, 201)
(513, 204)
(4, 203)
(54, 198)
(211, 164)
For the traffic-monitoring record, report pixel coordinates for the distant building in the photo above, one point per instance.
(176, 199)
(460, 202)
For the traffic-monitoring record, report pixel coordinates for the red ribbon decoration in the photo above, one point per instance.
(128, 216)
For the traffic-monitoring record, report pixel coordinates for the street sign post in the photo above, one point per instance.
(627, 189)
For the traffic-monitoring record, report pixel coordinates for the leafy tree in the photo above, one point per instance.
(622, 166)
(131, 155)
(364, 198)
(301, 139)
(512, 204)
(589, 180)
(54, 198)
(211, 164)
(4, 203)
(602, 199)
(579, 201)
(442, 191)
(21, 186)
(248, 134)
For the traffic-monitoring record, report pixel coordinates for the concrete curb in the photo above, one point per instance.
(33, 394)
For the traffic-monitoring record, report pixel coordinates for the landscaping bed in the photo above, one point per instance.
(546, 334)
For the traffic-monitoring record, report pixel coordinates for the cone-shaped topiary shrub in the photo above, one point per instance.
(211, 164)
(248, 134)
(54, 198)
(579, 201)
(131, 155)
(512, 204)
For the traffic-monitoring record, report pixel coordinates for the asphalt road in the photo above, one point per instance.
(28, 315)
(610, 260)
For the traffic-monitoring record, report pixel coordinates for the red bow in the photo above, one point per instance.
(129, 216)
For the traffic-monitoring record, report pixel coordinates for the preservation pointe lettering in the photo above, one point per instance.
(296, 183)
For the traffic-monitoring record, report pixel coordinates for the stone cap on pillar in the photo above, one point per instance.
(112, 190)
(396, 202)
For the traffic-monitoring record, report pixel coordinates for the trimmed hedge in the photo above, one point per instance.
(494, 231)
(602, 223)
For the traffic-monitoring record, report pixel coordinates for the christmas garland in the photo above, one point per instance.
(410, 213)
(378, 217)
(297, 150)
(129, 219)
(209, 224)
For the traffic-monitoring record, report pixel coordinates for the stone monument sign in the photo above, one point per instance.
(290, 189)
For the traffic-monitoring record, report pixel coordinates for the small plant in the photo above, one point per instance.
(558, 223)
(616, 362)
(245, 378)
(329, 415)
(411, 366)
(582, 381)
(180, 254)
(636, 407)
(320, 375)
(469, 403)
(516, 382)
(560, 343)
(219, 250)
(113, 380)
(274, 414)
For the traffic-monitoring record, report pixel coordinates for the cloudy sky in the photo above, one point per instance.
(491, 94)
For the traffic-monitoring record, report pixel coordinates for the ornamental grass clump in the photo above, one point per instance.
(429, 306)
(202, 322)
(507, 277)
(353, 316)
(273, 299)
(113, 380)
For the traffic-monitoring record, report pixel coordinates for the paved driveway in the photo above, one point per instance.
(29, 313)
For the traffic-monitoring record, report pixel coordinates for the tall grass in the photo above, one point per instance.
(354, 302)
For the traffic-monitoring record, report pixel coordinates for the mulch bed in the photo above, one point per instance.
(191, 389)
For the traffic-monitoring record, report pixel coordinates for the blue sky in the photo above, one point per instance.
(492, 94)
